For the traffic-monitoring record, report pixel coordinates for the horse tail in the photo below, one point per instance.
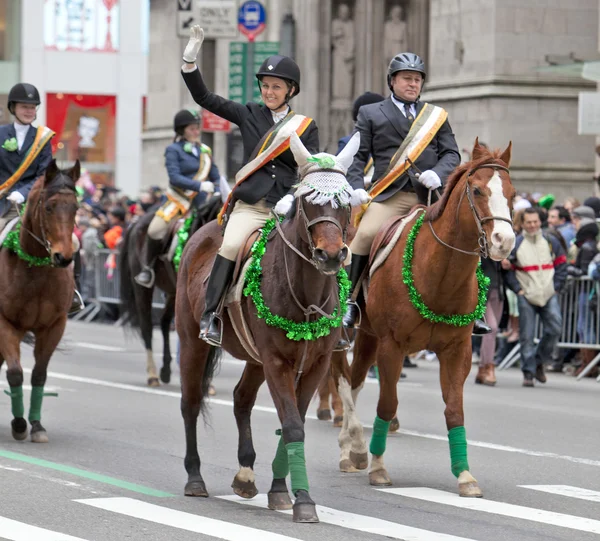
(129, 311)
(213, 360)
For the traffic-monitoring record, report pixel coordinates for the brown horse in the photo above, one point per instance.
(298, 283)
(472, 219)
(36, 289)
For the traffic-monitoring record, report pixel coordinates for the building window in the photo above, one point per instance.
(81, 25)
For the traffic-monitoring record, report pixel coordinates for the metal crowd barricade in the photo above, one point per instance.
(107, 288)
(576, 291)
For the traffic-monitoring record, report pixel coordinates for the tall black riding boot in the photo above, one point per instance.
(152, 250)
(220, 276)
(358, 265)
(77, 304)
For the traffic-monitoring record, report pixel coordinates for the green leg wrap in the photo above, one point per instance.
(379, 436)
(16, 400)
(457, 437)
(35, 408)
(297, 465)
(280, 463)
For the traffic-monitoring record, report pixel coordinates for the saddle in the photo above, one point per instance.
(387, 237)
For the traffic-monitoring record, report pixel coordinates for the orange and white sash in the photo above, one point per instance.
(274, 142)
(42, 136)
(423, 130)
(179, 201)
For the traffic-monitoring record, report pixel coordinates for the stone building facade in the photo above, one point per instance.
(482, 58)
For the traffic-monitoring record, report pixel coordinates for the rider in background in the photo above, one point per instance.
(269, 172)
(25, 153)
(192, 177)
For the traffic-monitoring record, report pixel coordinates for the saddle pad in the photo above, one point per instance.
(8, 229)
(380, 252)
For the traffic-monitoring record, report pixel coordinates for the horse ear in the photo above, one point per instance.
(507, 154)
(75, 171)
(51, 171)
(477, 150)
(345, 157)
(299, 150)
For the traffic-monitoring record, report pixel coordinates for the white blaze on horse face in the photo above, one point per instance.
(502, 239)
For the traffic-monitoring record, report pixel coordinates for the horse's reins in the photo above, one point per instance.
(482, 236)
(312, 309)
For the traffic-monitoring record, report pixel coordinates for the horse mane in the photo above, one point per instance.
(435, 211)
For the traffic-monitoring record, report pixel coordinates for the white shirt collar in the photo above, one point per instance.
(277, 117)
(400, 105)
(21, 131)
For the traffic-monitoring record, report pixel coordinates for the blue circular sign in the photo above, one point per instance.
(252, 16)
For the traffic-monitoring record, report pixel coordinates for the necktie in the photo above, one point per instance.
(409, 114)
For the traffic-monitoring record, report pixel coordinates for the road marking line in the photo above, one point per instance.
(19, 531)
(267, 409)
(99, 347)
(568, 491)
(499, 508)
(361, 523)
(182, 520)
(85, 474)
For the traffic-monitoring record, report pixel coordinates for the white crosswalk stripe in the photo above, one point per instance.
(568, 491)
(19, 531)
(183, 521)
(499, 508)
(353, 521)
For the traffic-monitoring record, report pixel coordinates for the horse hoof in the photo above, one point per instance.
(279, 501)
(394, 425)
(338, 421)
(244, 489)
(19, 428)
(153, 382)
(39, 437)
(470, 490)
(359, 460)
(379, 478)
(165, 374)
(305, 509)
(324, 415)
(196, 489)
(346, 466)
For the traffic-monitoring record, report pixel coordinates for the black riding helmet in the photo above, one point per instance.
(184, 118)
(405, 62)
(284, 68)
(23, 93)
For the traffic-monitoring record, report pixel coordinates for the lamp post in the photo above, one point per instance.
(287, 38)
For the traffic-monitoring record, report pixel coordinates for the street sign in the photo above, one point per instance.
(238, 58)
(212, 122)
(185, 18)
(252, 19)
(218, 18)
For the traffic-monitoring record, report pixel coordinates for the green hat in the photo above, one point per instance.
(547, 201)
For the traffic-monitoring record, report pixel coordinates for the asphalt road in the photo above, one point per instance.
(113, 469)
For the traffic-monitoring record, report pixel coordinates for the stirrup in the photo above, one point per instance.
(214, 318)
(77, 305)
(358, 318)
(148, 284)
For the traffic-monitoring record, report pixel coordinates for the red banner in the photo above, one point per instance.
(212, 122)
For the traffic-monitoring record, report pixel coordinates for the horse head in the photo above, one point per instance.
(323, 202)
(53, 203)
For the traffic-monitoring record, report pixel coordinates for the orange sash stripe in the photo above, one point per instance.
(267, 158)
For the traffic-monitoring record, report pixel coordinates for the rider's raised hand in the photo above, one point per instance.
(430, 179)
(193, 46)
(359, 197)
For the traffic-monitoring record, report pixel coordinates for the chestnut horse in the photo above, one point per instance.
(36, 288)
(472, 219)
(298, 284)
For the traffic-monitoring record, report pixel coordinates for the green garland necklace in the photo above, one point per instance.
(457, 320)
(12, 242)
(183, 234)
(306, 330)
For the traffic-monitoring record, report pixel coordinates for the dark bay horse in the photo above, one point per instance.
(36, 289)
(431, 275)
(298, 283)
(136, 301)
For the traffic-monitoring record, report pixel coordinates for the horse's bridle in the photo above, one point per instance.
(482, 236)
(309, 223)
